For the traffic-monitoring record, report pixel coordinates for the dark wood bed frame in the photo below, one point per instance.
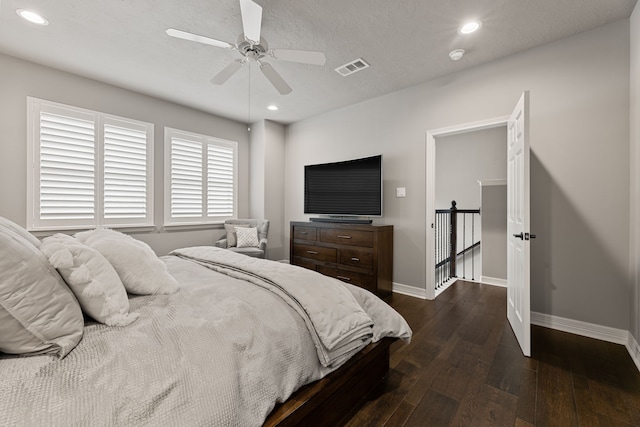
(327, 402)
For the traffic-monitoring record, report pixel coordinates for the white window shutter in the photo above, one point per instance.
(87, 169)
(201, 185)
(220, 181)
(125, 172)
(67, 168)
(186, 178)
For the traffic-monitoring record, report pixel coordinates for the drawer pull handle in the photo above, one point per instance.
(312, 252)
(355, 259)
(304, 233)
(348, 279)
(344, 237)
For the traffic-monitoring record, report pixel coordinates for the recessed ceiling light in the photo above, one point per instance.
(272, 107)
(32, 17)
(457, 54)
(470, 27)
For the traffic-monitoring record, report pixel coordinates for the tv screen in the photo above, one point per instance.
(349, 188)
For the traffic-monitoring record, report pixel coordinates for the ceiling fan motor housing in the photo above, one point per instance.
(250, 50)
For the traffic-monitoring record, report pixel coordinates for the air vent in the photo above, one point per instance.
(352, 67)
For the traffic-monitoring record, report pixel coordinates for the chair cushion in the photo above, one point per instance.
(252, 252)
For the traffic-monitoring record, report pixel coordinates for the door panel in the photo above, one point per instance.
(518, 246)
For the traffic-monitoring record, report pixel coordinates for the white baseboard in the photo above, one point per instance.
(634, 350)
(411, 291)
(493, 281)
(604, 333)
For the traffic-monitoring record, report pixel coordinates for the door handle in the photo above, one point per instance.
(525, 236)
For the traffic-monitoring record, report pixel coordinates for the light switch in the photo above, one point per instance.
(401, 192)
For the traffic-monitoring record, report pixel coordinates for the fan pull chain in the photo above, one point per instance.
(249, 103)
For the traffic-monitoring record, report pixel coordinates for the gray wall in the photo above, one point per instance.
(19, 79)
(267, 182)
(494, 231)
(634, 252)
(464, 159)
(579, 164)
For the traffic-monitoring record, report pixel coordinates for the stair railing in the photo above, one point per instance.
(451, 232)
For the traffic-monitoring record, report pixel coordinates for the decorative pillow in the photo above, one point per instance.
(38, 312)
(140, 270)
(247, 237)
(92, 279)
(231, 233)
(5, 223)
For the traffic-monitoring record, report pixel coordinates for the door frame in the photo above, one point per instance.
(430, 185)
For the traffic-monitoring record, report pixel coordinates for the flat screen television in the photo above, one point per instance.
(348, 188)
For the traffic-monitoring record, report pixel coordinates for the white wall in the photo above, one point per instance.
(579, 164)
(19, 79)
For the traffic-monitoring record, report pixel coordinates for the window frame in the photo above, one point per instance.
(35, 107)
(205, 141)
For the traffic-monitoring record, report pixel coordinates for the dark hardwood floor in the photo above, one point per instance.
(464, 368)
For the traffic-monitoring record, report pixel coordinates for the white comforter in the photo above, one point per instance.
(220, 352)
(338, 325)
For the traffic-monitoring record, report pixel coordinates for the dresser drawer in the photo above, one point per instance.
(316, 252)
(347, 237)
(303, 262)
(362, 258)
(365, 281)
(305, 233)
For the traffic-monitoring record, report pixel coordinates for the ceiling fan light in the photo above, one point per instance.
(32, 17)
(456, 54)
(470, 27)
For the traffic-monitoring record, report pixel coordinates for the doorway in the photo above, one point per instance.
(471, 170)
(431, 185)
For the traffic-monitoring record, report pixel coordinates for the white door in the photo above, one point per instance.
(518, 296)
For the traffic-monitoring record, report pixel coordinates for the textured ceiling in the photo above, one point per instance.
(407, 42)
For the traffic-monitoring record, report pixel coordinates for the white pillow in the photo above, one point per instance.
(4, 222)
(247, 237)
(140, 270)
(38, 312)
(231, 234)
(92, 279)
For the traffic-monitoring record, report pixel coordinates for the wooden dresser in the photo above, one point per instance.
(354, 253)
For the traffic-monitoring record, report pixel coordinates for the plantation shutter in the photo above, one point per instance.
(125, 172)
(87, 169)
(186, 178)
(220, 181)
(67, 168)
(202, 180)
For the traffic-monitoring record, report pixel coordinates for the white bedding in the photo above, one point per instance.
(221, 351)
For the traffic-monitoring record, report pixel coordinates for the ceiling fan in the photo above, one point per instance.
(253, 48)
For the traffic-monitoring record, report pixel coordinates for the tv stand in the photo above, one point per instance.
(360, 254)
(340, 220)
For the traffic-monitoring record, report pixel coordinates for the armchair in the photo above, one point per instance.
(228, 241)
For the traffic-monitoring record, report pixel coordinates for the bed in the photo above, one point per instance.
(219, 338)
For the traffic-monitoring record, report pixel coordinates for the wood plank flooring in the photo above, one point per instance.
(464, 368)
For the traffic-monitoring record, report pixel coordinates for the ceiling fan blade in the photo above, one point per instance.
(251, 20)
(196, 38)
(227, 72)
(276, 80)
(303, 56)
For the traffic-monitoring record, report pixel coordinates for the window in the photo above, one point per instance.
(87, 169)
(200, 178)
